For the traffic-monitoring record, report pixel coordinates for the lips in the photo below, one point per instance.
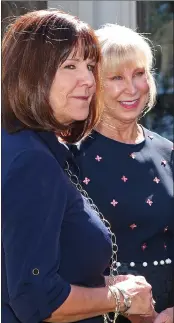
(129, 104)
(84, 98)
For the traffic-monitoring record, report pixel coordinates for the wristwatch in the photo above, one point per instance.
(127, 299)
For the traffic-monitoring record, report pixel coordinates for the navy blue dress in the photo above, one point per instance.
(51, 238)
(132, 185)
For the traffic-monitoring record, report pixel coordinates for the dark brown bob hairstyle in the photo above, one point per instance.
(33, 47)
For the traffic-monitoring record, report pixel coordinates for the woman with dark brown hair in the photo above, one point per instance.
(55, 246)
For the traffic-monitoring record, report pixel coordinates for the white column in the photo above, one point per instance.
(99, 12)
(120, 12)
(80, 8)
(67, 6)
(127, 13)
(86, 11)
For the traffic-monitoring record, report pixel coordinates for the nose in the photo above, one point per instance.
(131, 87)
(87, 78)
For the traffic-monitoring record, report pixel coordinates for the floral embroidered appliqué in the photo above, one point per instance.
(132, 156)
(156, 180)
(166, 229)
(98, 158)
(124, 179)
(165, 246)
(114, 202)
(163, 162)
(150, 136)
(133, 226)
(144, 246)
(150, 202)
(86, 180)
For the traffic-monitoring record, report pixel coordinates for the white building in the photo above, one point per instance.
(99, 12)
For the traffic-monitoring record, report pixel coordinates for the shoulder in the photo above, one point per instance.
(22, 140)
(34, 177)
(160, 145)
(158, 141)
(85, 144)
(23, 152)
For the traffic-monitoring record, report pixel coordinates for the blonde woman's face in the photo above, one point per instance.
(126, 92)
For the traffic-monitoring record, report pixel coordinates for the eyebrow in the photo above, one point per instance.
(120, 71)
(78, 59)
(140, 68)
(73, 59)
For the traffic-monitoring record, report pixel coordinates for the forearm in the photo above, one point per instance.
(83, 303)
(71, 319)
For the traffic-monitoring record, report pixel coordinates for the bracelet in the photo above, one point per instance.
(116, 295)
(127, 300)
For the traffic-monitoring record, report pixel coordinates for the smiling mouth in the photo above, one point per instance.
(129, 102)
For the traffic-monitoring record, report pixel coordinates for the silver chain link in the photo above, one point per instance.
(113, 266)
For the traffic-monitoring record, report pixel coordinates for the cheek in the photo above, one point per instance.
(112, 90)
(143, 86)
(65, 84)
(58, 96)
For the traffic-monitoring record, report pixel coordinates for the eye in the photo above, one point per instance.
(139, 73)
(70, 67)
(117, 78)
(91, 67)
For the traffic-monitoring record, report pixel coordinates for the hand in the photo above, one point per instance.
(166, 316)
(140, 293)
(116, 279)
(142, 319)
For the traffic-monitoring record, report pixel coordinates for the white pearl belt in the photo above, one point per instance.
(145, 264)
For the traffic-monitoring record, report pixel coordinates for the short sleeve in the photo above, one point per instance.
(33, 206)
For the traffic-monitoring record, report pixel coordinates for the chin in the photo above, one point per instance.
(81, 116)
(134, 113)
(128, 118)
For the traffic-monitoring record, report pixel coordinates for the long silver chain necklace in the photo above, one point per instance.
(113, 266)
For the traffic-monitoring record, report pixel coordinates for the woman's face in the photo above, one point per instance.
(72, 89)
(126, 93)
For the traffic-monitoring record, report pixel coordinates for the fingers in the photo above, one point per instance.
(140, 293)
(142, 280)
(164, 317)
(121, 278)
(138, 279)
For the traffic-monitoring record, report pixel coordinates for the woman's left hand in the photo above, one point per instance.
(166, 316)
(142, 319)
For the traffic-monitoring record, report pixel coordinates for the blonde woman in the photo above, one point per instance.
(127, 169)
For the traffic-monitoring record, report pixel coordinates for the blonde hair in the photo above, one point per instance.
(120, 46)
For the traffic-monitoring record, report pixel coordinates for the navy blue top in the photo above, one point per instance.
(50, 236)
(132, 185)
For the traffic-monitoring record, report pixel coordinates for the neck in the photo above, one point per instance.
(126, 132)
